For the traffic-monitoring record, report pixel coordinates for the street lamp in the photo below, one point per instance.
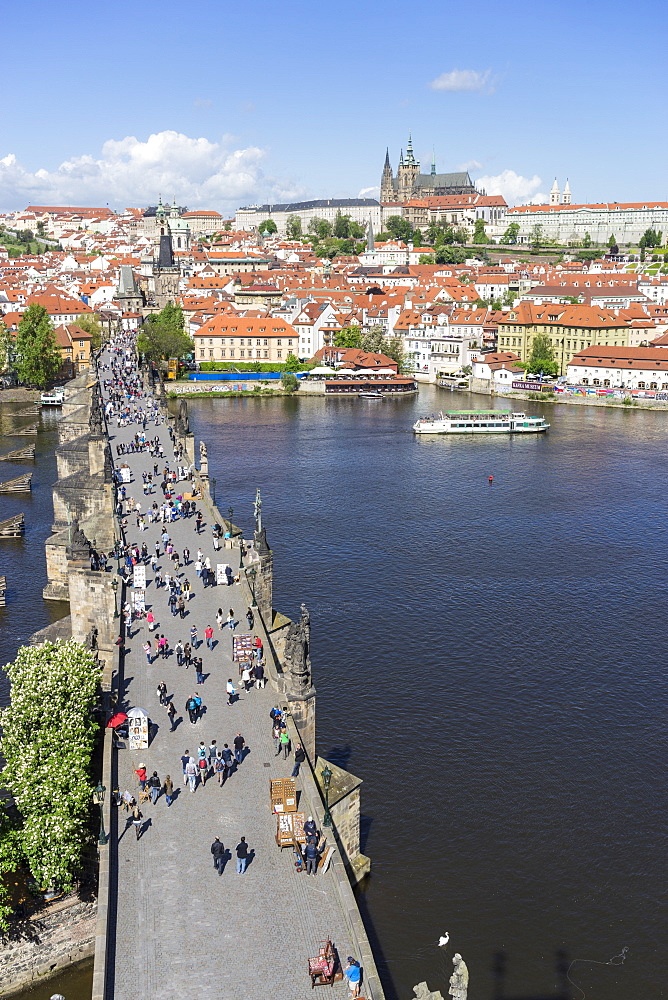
(326, 782)
(213, 490)
(98, 800)
(252, 573)
(114, 587)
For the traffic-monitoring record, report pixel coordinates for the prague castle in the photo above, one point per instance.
(410, 183)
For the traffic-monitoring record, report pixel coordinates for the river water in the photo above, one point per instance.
(489, 658)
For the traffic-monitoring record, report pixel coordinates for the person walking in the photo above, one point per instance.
(187, 654)
(218, 851)
(154, 785)
(191, 709)
(258, 674)
(208, 635)
(171, 715)
(276, 735)
(147, 649)
(353, 974)
(137, 820)
(150, 618)
(220, 769)
(193, 637)
(239, 744)
(197, 662)
(300, 757)
(185, 757)
(246, 677)
(181, 605)
(168, 789)
(242, 856)
(231, 693)
(191, 774)
(186, 555)
(178, 649)
(198, 703)
(310, 829)
(220, 618)
(226, 754)
(283, 744)
(141, 776)
(250, 618)
(213, 752)
(230, 620)
(161, 692)
(203, 767)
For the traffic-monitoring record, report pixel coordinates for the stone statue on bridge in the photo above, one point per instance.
(96, 419)
(203, 459)
(257, 506)
(459, 980)
(298, 653)
(182, 422)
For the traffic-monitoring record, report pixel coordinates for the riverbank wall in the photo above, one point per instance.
(483, 387)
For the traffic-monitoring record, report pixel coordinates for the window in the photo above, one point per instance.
(222, 353)
(265, 342)
(257, 343)
(232, 353)
(266, 354)
(652, 385)
(243, 353)
(289, 343)
(210, 354)
(279, 354)
(201, 354)
(585, 381)
(210, 341)
(81, 343)
(279, 343)
(641, 385)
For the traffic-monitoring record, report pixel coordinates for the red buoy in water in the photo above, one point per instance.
(491, 479)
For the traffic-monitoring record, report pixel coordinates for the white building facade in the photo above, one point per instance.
(570, 224)
(359, 209)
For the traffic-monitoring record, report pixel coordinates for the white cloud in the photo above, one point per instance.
(470, 165)
(371, 192)
(516, 189)
(130, 171)
(465, 80)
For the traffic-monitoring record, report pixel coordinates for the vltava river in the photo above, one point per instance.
(490, 659)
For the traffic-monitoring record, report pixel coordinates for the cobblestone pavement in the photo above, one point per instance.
(183, 931)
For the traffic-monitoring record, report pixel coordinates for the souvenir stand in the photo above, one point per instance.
(138, 729)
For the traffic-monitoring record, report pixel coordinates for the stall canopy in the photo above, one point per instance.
(322, 370)
(137, 713)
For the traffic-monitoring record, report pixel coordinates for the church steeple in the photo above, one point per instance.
(409, 150)
(387, 180)
(370, 242)
(433, 163)
(387, 159)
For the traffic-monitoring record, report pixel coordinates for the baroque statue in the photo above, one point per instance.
(203, 459)
(459, 980)
(298, 653)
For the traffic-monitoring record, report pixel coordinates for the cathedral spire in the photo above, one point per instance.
(401, 158)
(433, 162)
(409, 150)
(387, 158)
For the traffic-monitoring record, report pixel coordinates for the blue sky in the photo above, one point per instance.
(228, 104)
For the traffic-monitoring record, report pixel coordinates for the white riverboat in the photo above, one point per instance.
(480, 422)
(54, 398)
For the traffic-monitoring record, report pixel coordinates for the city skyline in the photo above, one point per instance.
(303, 105)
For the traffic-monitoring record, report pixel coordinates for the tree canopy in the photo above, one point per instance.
(38, 359)
(399, 227)
(542, 357)
(349, 336)
(293, 227)
(163, 336)
(91, 325)
(511, 233)
(479, 234)
(48, 736)
(268, 226)
(650, 238)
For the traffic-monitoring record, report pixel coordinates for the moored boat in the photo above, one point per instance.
(480, 422)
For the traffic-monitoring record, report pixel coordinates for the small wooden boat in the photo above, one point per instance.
(22, 484)
(19, 455)
(24, 431)
(3, 591)
(371, 395)
(13, 526)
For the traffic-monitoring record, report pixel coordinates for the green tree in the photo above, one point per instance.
(479, 234)
(394, 348)
(163, 336)
(6, 348)
(450, 255)
(426, 258)
(542, 357)
(91, 325)
(292, 363)
(268, 226)
(38, 359)
(586, 240)
(536, 236)
(349, 336)
(460, 235)
(293, 227)
(48, 736)
(289, 381)
(341, 226)
(356, 231)
(612, 240)
(399, 228)
(511, 234)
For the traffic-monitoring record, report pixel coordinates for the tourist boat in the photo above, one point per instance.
(371, 395)
(54, 398)
(480, 422)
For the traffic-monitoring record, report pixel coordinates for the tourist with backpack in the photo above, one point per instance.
(191, 709)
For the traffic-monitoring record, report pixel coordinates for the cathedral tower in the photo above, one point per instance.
(566, 200)
(387, 181)
(408, 173)
(554, 193)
